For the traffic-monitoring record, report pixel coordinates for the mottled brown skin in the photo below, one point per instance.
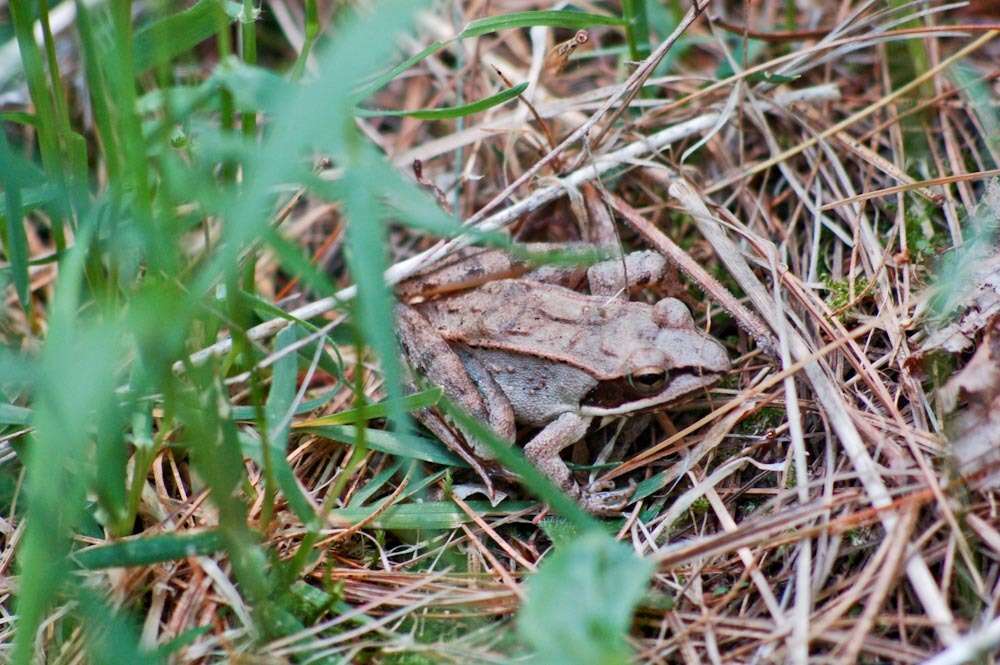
(544, 355)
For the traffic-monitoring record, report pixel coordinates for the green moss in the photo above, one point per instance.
(762, 420)
(790, 477)
(700, 506)
(967, 602)
(409, 658)
(730, 380)
(922, 241)
(939, 367)
(748, 508)
(859, 537)
(657, 600)
(840, 295)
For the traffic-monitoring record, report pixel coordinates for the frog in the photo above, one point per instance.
(551, 349)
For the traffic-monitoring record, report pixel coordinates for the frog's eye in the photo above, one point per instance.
(648, 381)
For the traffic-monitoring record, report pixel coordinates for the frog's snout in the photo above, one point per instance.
(714, 356)
(700, 351)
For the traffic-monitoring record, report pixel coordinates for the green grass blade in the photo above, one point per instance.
(366, 242)
(111, 636)
(76, 384)
(650, 486)
(47, 123)
(97, 89)
(214, 447)
(451, 111)
(60, 107)
(15, 241)
(311, 603)
(419, 400)
(149, 550)
(279, 402)
(76, 147)
(636, 29)
(116, 59)
(405, 202)
(558, 19)
(63, 420)
(253, 88)
(376, 483)
(20, 117)
(311, 33)
(770, 77)
(248, 51)
(429, 515)
(250, 412)
(412, 446)
(982, 100)
(14, 415)
(572, 20)
(298, 265)
(17, 370)
(304, 121)
(379, 81)
(163, 40)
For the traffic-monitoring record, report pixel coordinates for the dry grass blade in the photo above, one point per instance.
(814, 183)
(913, 186)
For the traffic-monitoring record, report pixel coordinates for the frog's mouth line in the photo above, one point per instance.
(681, 383)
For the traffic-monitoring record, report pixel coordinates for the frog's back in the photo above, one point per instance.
(592, 333)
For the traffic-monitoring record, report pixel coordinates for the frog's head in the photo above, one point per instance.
(676, 358)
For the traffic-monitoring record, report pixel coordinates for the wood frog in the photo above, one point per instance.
(530, 349)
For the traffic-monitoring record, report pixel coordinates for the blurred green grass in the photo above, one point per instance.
(171, 156)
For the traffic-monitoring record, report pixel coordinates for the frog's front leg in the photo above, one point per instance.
(543, 451)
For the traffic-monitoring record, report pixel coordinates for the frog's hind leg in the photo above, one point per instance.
(455, 442)
(500, 413)
(543, 451)
(428, 354)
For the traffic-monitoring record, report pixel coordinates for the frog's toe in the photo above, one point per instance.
(606, 502)
(603, 486)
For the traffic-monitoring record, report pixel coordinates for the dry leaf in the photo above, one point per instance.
(556, 59)
(976, 437)
(969, 283)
